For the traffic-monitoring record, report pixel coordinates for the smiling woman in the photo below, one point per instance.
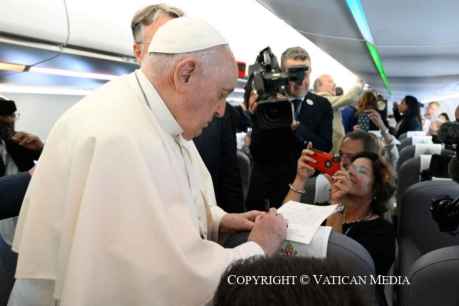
(363, 190)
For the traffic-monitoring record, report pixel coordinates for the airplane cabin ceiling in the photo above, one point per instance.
(417, 39)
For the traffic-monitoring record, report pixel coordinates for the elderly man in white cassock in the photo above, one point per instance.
(121, 209)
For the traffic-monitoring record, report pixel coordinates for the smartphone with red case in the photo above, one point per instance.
(325, 162)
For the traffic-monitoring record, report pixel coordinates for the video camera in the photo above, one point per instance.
(274, 109)
(445, 211)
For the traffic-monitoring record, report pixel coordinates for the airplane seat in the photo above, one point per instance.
(310, 191)
(411, 134)
(403, 136)
(415, 170)
(414, 140)
(433, 277)
(416, 150)
(410, 173)
(356, 261)
(418, 233)
(415, 134)
(317, 191)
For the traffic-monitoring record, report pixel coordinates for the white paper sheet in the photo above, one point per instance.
(304, 219)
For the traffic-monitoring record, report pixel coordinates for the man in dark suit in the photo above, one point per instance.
(18, 151)
(314, 113)
(275, 152)
(217, 147)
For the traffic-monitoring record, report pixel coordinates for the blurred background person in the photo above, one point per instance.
(325, 86)
(388, 142)
(18, 152)
(146, 22)
(444, 117)
(361, 120)
(408, 113)
(431, 114)
(217, 147)
(436, 124)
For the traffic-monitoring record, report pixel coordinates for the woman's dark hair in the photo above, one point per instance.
(446, 116)
(383, 181)
(414, 108)
(291, 291)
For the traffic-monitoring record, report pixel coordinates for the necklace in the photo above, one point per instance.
(366, 218)
(351, 224)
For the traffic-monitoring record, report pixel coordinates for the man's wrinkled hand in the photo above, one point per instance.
(269, 232)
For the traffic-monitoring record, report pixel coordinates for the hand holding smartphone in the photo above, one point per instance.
(325, 162)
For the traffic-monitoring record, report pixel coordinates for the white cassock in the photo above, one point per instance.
(121, 209)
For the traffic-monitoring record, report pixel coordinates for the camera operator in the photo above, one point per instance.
(275, 151)
(314, 113)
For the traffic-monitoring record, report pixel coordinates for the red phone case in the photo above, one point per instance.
(326, 162)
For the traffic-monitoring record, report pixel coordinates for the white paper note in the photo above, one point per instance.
(304, 219)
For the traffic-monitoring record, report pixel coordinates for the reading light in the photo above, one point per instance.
(52, 71)
(12, 67)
